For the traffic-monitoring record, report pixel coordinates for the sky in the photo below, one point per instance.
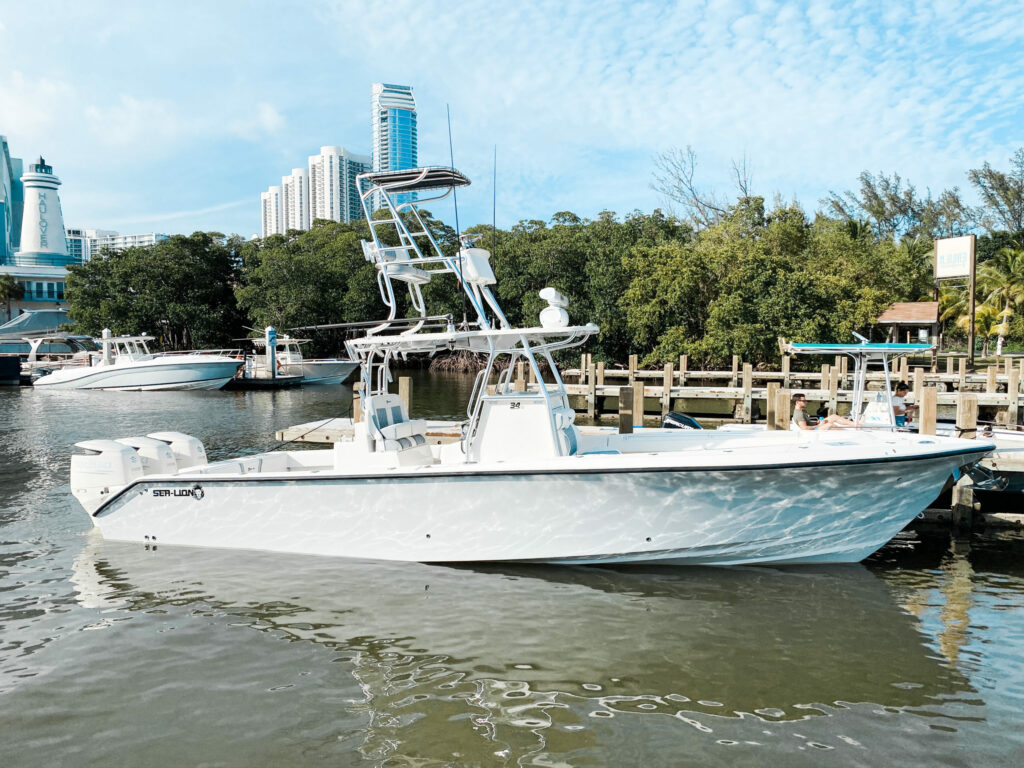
(175, 116)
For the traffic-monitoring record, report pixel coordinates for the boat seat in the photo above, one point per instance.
(393, 431)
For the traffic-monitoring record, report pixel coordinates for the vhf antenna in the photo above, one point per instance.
(458, 232)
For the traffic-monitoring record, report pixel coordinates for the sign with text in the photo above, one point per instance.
(954, 257)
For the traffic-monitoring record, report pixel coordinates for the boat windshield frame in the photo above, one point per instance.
(863, 354)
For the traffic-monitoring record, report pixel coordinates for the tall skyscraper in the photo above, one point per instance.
(273, 221)
(295, 199)
(12, 198)
(394, 142)
(332, 184)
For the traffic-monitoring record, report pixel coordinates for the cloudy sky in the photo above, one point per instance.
(174, 116)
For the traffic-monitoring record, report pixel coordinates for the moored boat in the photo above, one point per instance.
(523, 483)
(125, 363)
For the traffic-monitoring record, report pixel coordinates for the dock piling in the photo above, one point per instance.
(929, 410)
(782, 405)
(666, 390)
(625, 410)
(357, 402)
(748, 393)
(405, 393)
(769, 404)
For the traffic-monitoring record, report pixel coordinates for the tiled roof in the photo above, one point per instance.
(910, 313)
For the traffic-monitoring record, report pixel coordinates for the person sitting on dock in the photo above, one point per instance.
(828, 422)
(899, 406)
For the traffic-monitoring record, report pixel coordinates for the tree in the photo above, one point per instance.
(1001, 282)
(181, 289)
(674, 178)
(10, 290)
(1002, 194)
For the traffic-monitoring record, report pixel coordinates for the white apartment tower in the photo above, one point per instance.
(295, 200)
(332, 184)
(272, 221)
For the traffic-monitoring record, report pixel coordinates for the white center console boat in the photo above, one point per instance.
(289, 361)
(126, 363)
(523, 484)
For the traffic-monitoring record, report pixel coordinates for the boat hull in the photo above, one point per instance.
(810, 513)
(321, 371)
(200, 374)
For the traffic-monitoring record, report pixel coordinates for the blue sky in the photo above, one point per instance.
(174, 116)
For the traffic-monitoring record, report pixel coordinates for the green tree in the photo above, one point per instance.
(1001, 283)
(180, 289)
(10, 290)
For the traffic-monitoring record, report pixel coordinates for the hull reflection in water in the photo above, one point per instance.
(469, 661)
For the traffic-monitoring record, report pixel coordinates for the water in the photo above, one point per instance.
(112, 654)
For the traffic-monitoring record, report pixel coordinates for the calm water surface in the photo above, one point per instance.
(114, 655)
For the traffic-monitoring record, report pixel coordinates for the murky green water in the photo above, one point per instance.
(114, 655)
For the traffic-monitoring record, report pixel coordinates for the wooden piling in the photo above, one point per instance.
(824, 376)
(638, 403)
(520, 377)
(533, 374)
(748, 393)
(666, 390)
(961, 383)
(1012, 397)
(633, 362)
(591, 392)
(625, 410)
(918, 384)
(783, 398)
(949, 365)
(991, 382)
(734, 381)
(833, 389)
(405, 393)
(769, 404)
(785, 371)
(357, 401)
(967, 415)
(929, 410)
(600, 374)
(684, 362)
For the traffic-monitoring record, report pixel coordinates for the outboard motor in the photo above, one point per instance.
(676, 420)
(188, 451)
(155, 455)
(105, 468)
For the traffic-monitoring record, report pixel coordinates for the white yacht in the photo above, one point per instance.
(523, 483)
(126, 363)
(289, 361)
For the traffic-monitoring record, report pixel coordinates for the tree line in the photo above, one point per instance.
(711, 279)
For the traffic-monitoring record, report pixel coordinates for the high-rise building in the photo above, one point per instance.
(11, 201)
(295, 199)
(273, 221)
(332, 184)
(394, 143)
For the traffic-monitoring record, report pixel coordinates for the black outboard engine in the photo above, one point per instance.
(676, 420)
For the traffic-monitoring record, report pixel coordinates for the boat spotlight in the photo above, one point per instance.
(554, 314)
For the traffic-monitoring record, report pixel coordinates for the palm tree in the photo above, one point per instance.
(988, 322)
(10, 289)
(1001, 282)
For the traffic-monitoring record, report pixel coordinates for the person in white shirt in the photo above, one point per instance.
(899, 405)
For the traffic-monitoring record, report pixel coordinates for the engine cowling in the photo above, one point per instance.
(105, 468)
